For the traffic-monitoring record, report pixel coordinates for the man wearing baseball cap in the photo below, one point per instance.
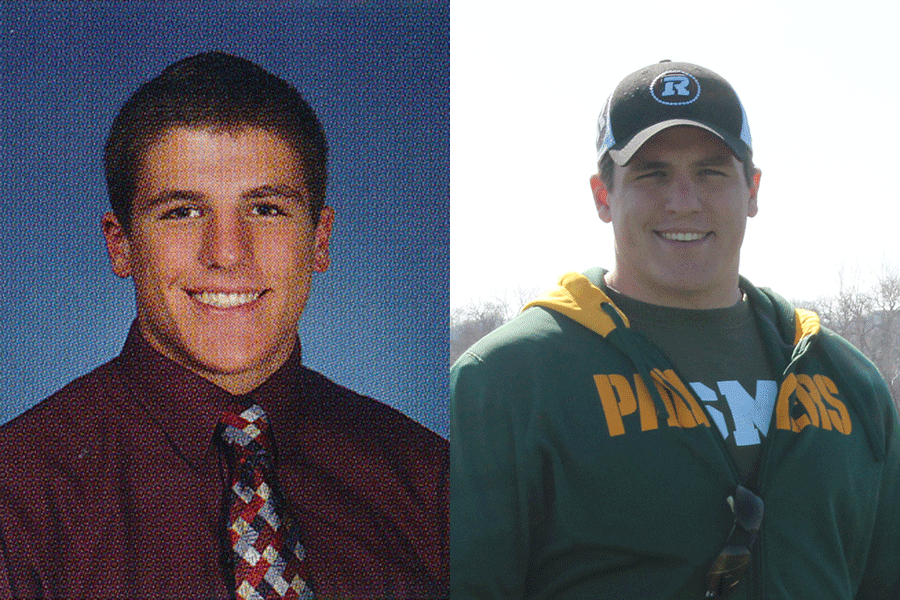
(665, 429)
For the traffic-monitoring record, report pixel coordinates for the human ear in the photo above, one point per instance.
(321, 259)
(752, 207)
(118, 246)
(601, 198)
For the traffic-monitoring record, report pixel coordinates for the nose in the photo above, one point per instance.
(684, 195)
(226, 240)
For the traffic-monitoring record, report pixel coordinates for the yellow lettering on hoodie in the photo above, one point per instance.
(840, 418)
(809, 388)
(783, 418)
(648, 408)
(682, 413)
(617, 400)
(691, 418)
(805, 390)
(813, 392)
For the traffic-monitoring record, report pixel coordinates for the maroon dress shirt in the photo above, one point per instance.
(115, 487)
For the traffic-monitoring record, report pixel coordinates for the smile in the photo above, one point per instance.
(224, 299)
(682, 237)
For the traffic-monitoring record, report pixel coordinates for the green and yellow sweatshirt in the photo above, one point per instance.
(582, 466)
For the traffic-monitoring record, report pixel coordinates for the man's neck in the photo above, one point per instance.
(673, 298)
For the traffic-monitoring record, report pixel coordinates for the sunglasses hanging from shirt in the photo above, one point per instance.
(732, 562)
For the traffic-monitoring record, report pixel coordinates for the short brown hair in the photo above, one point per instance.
(215, 91)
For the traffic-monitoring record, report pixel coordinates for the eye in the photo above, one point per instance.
(182, 212)
(713, 173)
(267, 210)
(651, 175)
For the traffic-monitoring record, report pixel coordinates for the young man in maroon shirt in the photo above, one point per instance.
(119, 485)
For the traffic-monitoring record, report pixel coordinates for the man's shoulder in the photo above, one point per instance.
(82, 400)
(341, 409)
(852, 363)
(555, 324)
(49, 436)
(842, 353)
(536, 335)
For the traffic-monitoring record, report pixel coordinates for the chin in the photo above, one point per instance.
(215, 352)
(687, 279)
(226, 363)
(234, 354)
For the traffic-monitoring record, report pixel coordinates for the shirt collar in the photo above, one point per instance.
(187, 407)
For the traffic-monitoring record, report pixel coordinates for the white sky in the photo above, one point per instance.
(820, 82)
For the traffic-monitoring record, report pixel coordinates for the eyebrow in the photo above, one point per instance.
(167, 196)
(278, 191)
(649, 165)
(264, 191)
(715, 160)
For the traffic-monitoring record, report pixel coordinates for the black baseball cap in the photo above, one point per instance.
(665, 95)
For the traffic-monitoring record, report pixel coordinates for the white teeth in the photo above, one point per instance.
(683, 237)
(223, 300)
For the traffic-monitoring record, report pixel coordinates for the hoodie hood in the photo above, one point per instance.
(577, 298)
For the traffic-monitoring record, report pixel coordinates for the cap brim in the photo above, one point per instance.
(622, 156)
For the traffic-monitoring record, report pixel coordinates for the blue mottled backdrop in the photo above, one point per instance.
(377, 74)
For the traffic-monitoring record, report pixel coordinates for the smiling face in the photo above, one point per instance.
(679, 210)
(221, 250)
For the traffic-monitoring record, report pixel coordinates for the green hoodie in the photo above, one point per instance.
(583, 467)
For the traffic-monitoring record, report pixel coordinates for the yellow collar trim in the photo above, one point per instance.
(806, 323)
(577, 298)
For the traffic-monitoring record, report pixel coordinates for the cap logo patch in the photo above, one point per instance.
(675, 88)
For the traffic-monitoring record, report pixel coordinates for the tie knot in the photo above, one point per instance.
(248, 431)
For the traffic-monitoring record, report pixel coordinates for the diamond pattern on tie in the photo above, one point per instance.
(266, 543)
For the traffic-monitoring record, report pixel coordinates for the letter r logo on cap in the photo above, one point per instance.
(675, 88)
(676, 84)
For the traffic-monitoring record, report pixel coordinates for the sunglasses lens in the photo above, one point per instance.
(748, 509)
(726, 571)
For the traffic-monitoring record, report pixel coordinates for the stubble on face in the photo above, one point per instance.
(679, 211)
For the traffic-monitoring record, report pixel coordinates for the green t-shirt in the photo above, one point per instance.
(720, 354)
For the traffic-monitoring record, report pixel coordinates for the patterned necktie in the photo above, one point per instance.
(267, 550)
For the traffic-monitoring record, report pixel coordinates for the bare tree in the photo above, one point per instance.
(869, 319)
(886, 336)
(471, 322)
(514, 300)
